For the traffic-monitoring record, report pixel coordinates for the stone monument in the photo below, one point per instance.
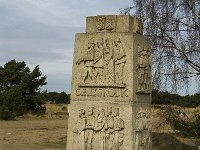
(111, 86)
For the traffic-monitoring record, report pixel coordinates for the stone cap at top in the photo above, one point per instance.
(113, 23)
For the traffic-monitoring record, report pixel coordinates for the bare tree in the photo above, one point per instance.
(173, 27)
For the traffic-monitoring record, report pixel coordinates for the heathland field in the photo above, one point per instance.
(49, 132)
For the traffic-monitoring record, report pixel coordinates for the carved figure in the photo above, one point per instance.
(89, 129)
(88, 60)
(109, 129)
(143, 130)
(139, 29)
(79, 134)
(108, 61)
(118, 126)
(98, 62)
(148, 75)
(143, 68)
(101, 130)
(103, 62)
(119, 60)
(148, 130)
(139, 131)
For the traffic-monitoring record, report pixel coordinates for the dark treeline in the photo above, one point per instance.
(165, 98)
(54, 97)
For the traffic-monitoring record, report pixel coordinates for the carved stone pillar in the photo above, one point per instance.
(111, 86)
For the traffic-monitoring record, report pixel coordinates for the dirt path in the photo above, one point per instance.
(43, 134)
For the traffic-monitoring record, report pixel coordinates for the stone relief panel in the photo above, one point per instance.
(143, 130)
(102, 63)
(100, 129)
(105, 23)
(144, 70)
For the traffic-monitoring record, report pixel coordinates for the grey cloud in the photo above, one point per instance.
(36, 41)
(23, 38)
(42, 32)
(58, 83)
(63, 12)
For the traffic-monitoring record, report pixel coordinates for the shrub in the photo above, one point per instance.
(18, 87)
(165, 98)
(181, 123)
(5, 114)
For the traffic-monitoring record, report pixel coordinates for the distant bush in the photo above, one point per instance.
(165, 98)
(181, 123)
(54, 97)
(185, 128)
(40, 110)
(5, 114)
(64, 108)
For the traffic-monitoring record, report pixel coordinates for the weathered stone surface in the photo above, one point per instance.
(100, 125)
(111, 90)
(113, 23)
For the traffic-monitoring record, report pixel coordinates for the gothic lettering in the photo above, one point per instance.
(102, 92)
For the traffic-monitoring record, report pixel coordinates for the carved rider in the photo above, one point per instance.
(88, 59)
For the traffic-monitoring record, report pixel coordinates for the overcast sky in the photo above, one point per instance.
(42, 32)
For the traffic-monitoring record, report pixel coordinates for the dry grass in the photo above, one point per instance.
(49, 132)
(33, 134)
(30, 132)
(165, 138)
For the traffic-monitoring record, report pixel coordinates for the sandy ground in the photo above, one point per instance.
(46, 134)
(50, 131)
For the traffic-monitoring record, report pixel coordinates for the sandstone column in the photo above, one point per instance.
(111, 86)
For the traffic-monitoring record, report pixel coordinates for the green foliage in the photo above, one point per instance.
(5, 114)
(175, 116)
(14, 101)
(181, 123)
(54, 97)
(165, 98)
(18, 89)
(185, 127)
